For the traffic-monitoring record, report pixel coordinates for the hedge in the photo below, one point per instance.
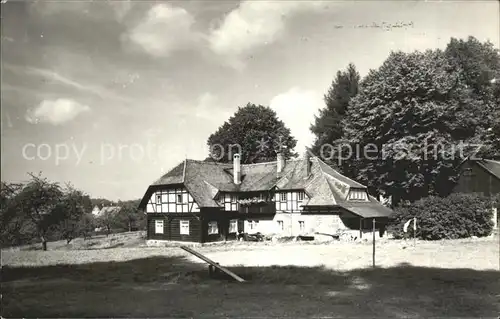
(452, 217)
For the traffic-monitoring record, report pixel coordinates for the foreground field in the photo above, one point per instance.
(433, 279)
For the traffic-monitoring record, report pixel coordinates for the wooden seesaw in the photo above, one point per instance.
(213, 266)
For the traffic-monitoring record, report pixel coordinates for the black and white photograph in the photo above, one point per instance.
(250, 159)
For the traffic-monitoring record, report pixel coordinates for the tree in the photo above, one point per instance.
(86, 225)
(479, 66)
(328, 126)
(15, 229)
(106, 220)
(411, 115)
(38, 200)
(129, 216)
(69, 214)
(255, 129)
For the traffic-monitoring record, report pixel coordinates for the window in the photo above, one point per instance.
(280, 225)
(184, 227)
(158, 199)
(301, 225)
(358, 195)
(179, 199)
(300, 196)
(283, 197)
(233, 226)
(233, 198)
(252, 224)
(212, 228)
(158, 226)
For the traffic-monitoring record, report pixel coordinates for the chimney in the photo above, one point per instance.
(307, 163)
(237, 169)
(281, 161)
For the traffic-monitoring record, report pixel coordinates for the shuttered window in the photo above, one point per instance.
(233, 226)
(184, 225)
(212, 228)
(158, 226)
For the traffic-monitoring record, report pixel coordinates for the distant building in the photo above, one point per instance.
(202, 201)
(96, 210)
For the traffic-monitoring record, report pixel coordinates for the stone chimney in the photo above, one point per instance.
(237, 169)
(281, 161)
(307, 163)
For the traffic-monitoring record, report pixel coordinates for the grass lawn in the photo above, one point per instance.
(434, 279)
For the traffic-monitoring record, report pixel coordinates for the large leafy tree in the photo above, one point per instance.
(256, 132)
(408, 120)
(479, 66)
(328, 126)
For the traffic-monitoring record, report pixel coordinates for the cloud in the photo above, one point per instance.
(56, 77)
(55, 112)
(254, 24)
(165, 29)
(296, 108)
(207, 106)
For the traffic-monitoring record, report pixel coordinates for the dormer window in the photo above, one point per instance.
(358, 194)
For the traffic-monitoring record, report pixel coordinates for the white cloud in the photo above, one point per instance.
(165, 29)
(254, 24)
(296, 108)
(208, 108)
(55, 112)
(51, 76)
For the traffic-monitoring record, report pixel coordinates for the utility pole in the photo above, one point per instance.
(373, 254)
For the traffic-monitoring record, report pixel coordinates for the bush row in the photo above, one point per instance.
(452, 217)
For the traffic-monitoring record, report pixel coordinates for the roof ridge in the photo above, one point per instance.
(184, 171)
(272, 162)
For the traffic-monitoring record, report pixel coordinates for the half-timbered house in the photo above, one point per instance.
(199, 201)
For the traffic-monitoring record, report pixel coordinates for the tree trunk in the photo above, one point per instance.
(129, 226)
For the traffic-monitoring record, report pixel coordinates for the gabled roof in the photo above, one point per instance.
(493, 167)
(324, 185)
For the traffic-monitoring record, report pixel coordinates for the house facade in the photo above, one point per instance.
(481, 176)
(206, 201)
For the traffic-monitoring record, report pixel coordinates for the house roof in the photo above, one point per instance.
(324, 185)
(109, 210)
(493, 167)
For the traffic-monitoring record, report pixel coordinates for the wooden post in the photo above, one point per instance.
(415, 232)
(360, 228)
(373, 242)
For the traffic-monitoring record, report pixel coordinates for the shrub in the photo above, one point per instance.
(455, 216)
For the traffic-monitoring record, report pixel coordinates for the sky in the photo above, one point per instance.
(110, 95)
